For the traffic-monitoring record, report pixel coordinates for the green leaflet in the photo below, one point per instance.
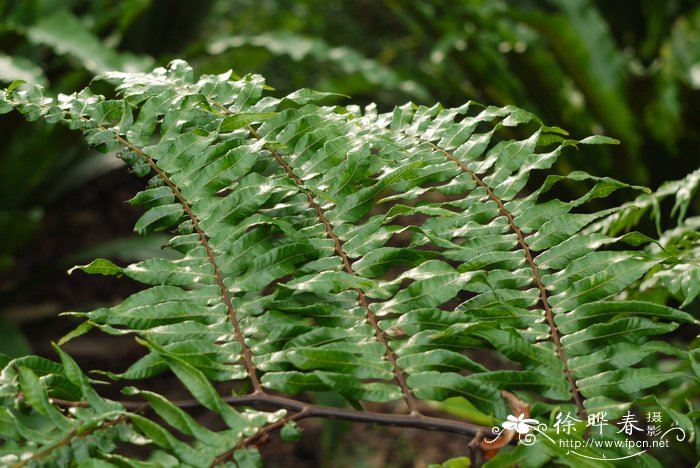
(338, 361)
(158, 218)
(440, 386)
(163, 438)
(99, 266)
(319, 248)
(36, 396)
(180, 420)
(77, 377)
(619, 356)
(624, 329)
(623, 382)
(201, 389)
(439, 359)
(240, 120)
(211, 359)
(592, 313)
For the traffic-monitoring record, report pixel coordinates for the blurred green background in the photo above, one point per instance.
(629, 69)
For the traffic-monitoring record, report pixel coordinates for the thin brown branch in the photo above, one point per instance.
(308, 410)
(77, 404)
(418, 421)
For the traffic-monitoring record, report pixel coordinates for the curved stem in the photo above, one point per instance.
(309, 410)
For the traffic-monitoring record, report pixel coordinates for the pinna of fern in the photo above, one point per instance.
(678, 275)
(382, 256)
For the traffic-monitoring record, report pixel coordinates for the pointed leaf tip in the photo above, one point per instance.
(99, 266)
(600, 140)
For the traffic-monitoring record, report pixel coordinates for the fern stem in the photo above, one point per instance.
(417, 421)
(361, 297)
(533, 266)
(245, 351)
(309, 410)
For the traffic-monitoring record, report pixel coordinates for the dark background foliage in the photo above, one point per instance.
(627, 69)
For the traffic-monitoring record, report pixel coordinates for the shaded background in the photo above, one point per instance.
(629, 69)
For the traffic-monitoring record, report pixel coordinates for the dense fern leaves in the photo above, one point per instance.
(407, 255)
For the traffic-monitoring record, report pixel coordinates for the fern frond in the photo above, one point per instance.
(682, 191)
(381, 256)
(678, 247)
(680, 272)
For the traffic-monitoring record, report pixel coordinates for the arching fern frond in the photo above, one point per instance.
(678, 246)
(679, 274)
(682, 192)
(408, 255)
